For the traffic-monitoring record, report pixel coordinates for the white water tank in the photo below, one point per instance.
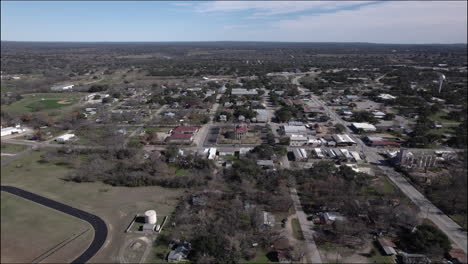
(150, 217)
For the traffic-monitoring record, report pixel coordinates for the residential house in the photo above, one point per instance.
(180, 252)
(240, 131)
(387, 246)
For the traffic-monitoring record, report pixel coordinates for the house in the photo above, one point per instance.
(283, 250)
(222, 118)
(330, 217)
(169, 114)
(240, 131)
(5, 131)
(180, 252)
(366, 127)
(62, 87)
(262, 115)
(343, 140)
(265, 163)
(387, 246)
(268, 219)
(297, 140)
(242, 91)
(414, 258)
(379, 114)
(64, 138)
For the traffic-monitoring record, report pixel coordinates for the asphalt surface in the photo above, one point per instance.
(99, 226)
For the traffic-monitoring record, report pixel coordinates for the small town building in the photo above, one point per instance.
(414, 258)
(64, 138)
(388, 247)
(180, 252)
(262, 115)
(300, 154)
(343, 140)
(6, 131)
(288, 130)
(265, 163)
(62, 87)
(366, 127)
(297, 140)
(240, 131)
(384, 96)
(268, 219)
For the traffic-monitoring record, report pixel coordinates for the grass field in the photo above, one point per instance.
(297, 231)
(29, 230)
(116, 205)
(12, 148)
(34, 102)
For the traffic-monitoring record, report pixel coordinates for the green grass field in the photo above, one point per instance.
(115, 205)
(12, 148)
(297, 231)
(29, 229)
(34, 102)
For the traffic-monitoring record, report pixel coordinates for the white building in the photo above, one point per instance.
(366, 127)
(343, 140)
(62, 87)
(212, 153)
(295, 130)
(12, 130)
(64, 138)
(386, 96)
(297, 140)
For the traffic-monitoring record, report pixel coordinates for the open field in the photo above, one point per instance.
(51, 102)
(29, 230)
(115, 205)
(12, 148)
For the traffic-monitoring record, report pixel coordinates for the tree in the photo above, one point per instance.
(423, 239)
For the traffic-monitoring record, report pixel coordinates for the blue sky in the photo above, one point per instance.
(289, 21)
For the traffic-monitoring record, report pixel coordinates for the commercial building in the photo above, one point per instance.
(422, 158)
(343, 140)
(297, 140)
(288, 130)
(366, 127)
(12, 130)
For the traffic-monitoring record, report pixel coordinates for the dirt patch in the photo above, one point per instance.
(64, 102)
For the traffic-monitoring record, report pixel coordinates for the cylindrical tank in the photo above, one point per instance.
(150, 217)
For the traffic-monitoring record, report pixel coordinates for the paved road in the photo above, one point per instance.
(99, 226)
(312, 254)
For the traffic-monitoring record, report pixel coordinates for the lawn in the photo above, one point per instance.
(461, 220)
(12, 148)
(296, 228)
(441, 117)
(261, 257)
(43, 102)
(29, 230)
(116, 205)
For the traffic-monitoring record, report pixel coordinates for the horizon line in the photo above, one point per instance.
(232, 41)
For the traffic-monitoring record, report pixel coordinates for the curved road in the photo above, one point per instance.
(99, 226)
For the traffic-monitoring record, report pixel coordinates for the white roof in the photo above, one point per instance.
(65, 137)
(295, 137)
(364, 126)
(295, 129)
(386, 96)
(343, 138)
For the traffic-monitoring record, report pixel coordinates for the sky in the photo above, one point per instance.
(405, 22)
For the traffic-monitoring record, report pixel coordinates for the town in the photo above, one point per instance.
(252, 158)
